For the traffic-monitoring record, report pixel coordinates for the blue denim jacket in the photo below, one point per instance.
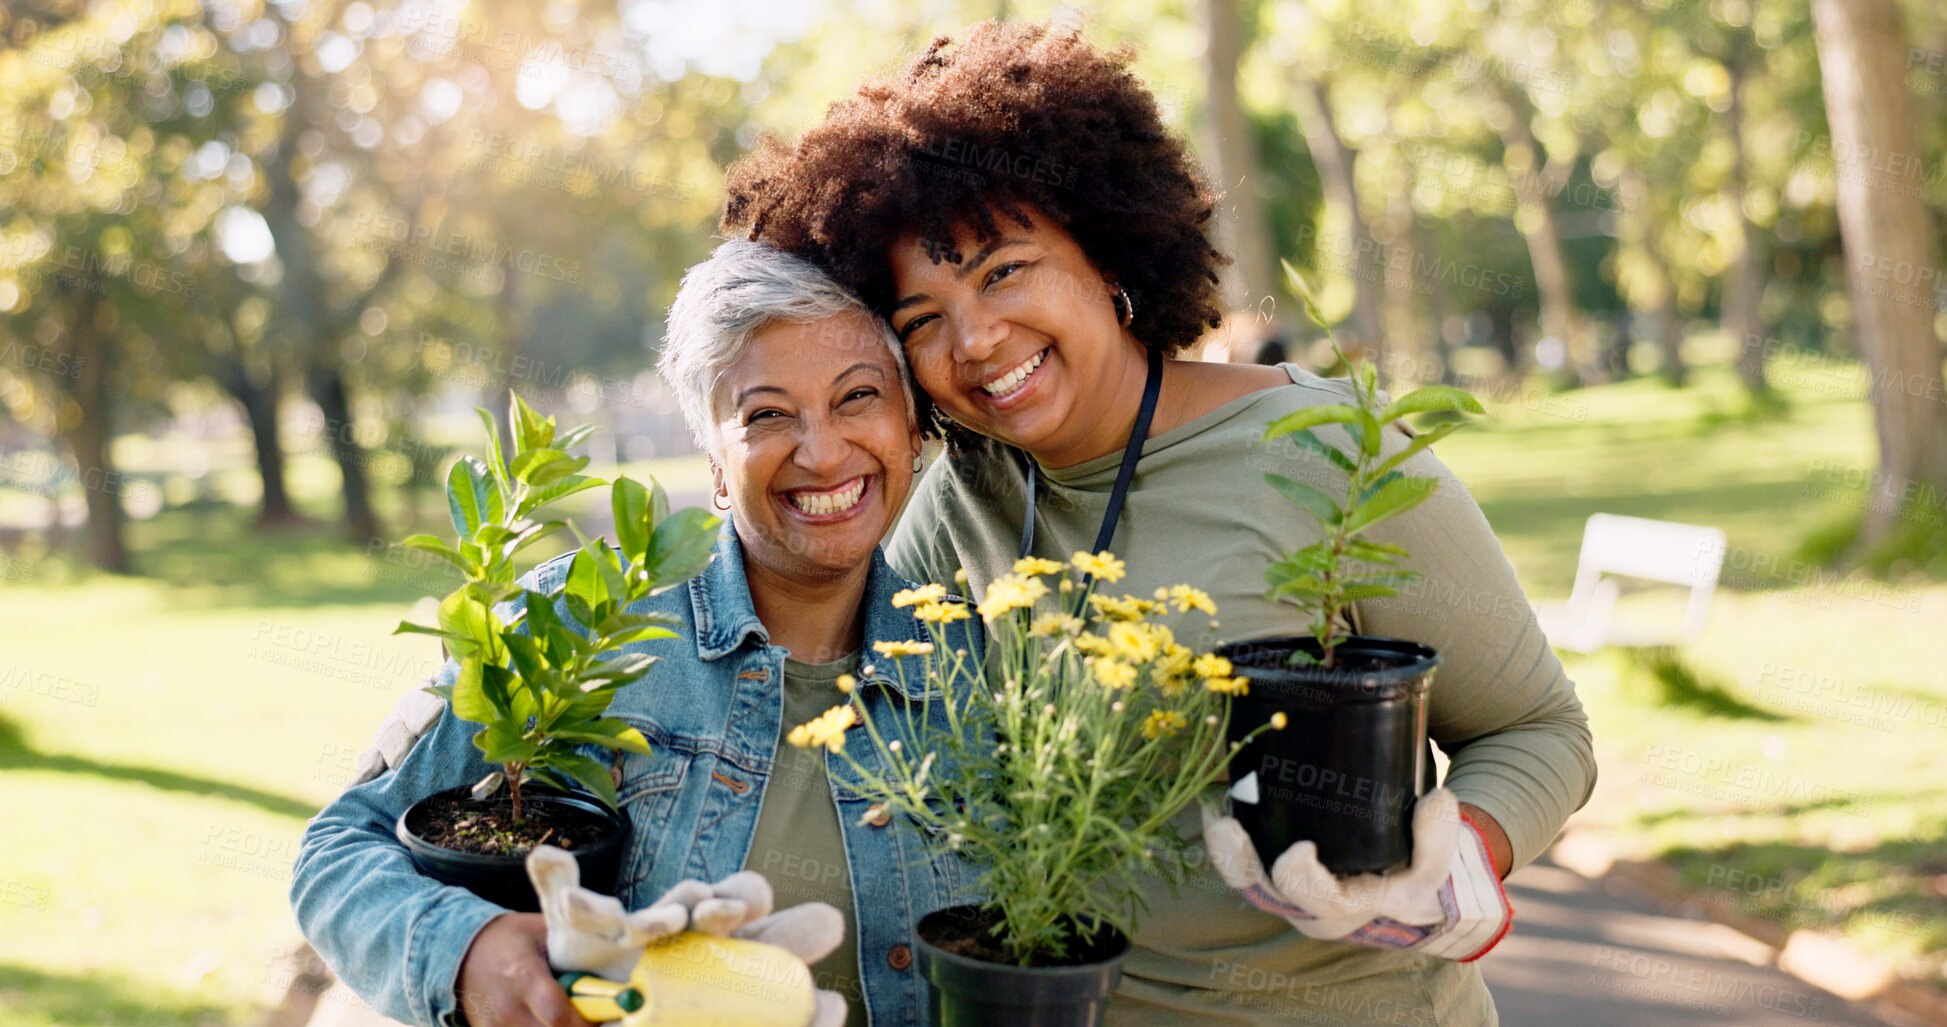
(711, 712)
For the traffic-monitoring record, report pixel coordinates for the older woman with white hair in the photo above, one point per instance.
(800, 398)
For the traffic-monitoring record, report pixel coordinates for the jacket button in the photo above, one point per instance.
(878, 816)
(899, 957)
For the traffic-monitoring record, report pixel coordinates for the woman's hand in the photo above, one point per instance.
(1448, 902)
(505, 980)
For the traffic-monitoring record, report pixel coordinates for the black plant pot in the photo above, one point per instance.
(1347, 768)
(968, 992)
(502, 880)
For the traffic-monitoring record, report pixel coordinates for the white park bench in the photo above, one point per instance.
(1616, 547)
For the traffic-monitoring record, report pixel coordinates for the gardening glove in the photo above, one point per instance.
(1448, 902)
(591, 933)
(412, 716)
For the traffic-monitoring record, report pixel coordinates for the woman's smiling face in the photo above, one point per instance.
(816, 444)
(1018, 339)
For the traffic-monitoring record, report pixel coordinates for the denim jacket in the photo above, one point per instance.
(711, 712)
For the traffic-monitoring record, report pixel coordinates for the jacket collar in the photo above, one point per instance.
(725, 618)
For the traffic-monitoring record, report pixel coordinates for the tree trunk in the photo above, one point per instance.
(1242, 229)
(259, 402)
(327, 387)
(1541, 229)
(89, 442)
(1334, 162)
(1656, 300)
(1403, 333)
(1744, 285)
(1891, 263)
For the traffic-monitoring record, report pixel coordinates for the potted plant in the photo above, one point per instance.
(538, 685)
(1347, 772)
(1063, 757)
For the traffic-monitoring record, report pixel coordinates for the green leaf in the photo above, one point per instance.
(1354, 593)
(528, 536)
(592, 775)
(1308, 439)
(1428, 399)
(1419, 442)
(540, 497)
(619, 669)
(409, 628)
(496, 461)
(432, 544)
(609, 733)
(503, 742)
(680, 548)
(548, 777)
(1314, 502)
(471, 627)
(574, 436)
(554, 471)
(585, 584)
(634, 517)
(658, 502)
(527, 657)
(623, 621)
(1296, 281)
(547, 630)
(1376, 484)
(469, 696)
(634, 635)
(1401, 495)
(472, 496)
(531, 430)
(1311, 417)
(1374, 552)
(1369, 436)
(498, 684)
(528, 466)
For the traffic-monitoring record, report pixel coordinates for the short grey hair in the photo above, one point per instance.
(726, 300)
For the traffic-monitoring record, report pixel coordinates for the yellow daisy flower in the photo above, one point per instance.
(903, 648)
(1228, 686)
(1102, 565)
(923, 594)
(933, 612)
(1055, 624)
(1210, 665)
(1164, 722)
(1125, 608)
(1187, 599)
(828, 730)
(1133, 641)
(1036, 565)
(1113, 674)
(1011, 592)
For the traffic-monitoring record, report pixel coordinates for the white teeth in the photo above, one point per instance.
(1007, 383)
(816, 503)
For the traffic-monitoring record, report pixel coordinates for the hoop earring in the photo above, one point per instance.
(919, 464)
(1125, 308)
(720, 500)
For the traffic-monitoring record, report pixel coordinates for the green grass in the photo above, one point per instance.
(224, 695)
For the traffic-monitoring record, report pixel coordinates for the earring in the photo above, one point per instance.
(720, 500)
(1125, 308)
(720, 497)
(919, 464)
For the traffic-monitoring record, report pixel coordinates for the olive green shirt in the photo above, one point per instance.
(1200, 513)
(798, 844)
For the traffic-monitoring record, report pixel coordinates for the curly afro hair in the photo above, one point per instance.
(1017, 115)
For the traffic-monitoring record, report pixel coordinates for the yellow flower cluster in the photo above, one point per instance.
(941, 613)
(903, 648)
(1215, 672)
(1164, 722)
(1186, 598)
(1049, 624)
(1103, 566)
(827, 731)
(1011, 592)
(1114, 674)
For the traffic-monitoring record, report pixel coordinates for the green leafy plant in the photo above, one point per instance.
(1063, 759)
(1343, 566)
(538, 686)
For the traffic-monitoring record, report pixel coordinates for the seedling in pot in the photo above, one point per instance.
(538, 687)
(1344, 567)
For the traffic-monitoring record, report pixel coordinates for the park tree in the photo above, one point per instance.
(1892, 259)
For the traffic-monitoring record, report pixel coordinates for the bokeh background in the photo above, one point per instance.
(259, 261)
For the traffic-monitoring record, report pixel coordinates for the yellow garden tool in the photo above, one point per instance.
(690, 979)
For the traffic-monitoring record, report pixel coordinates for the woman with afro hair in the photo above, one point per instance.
(1015, 208)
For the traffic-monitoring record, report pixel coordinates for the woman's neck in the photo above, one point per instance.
(817, 619)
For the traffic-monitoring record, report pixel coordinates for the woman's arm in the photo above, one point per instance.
(1500, 705)
(396, 938)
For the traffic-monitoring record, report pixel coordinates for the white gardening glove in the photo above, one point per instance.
(591, 933)
(1448, 902)
(412, 716)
